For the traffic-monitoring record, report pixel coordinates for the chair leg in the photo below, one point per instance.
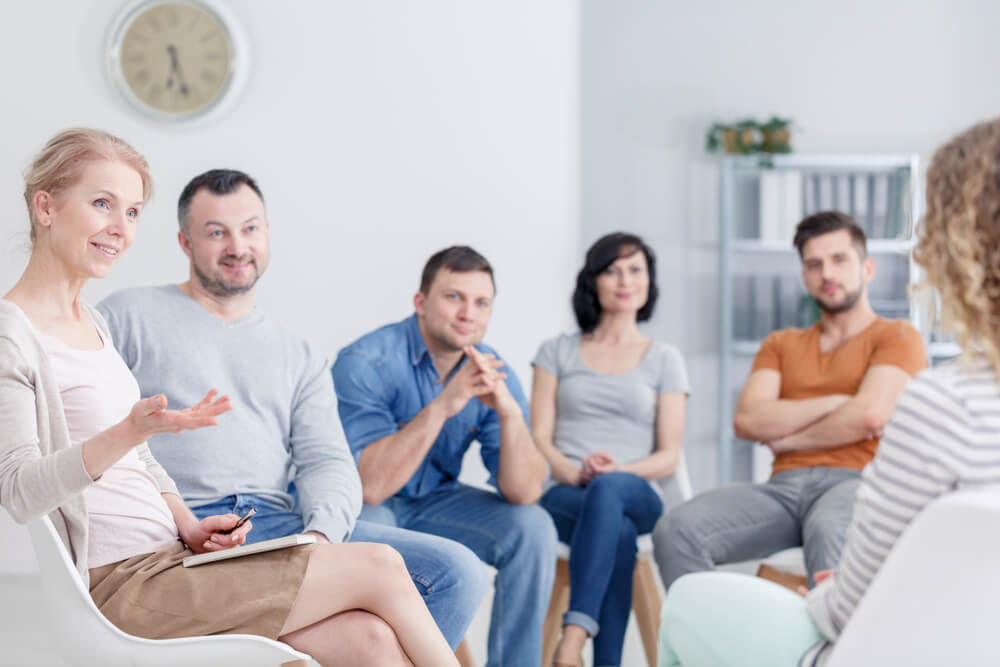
(464, 654)
(646, 604)
(558, 605)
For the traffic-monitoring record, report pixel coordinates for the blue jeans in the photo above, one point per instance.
(448, 575)
(600, 523)
(518, 540)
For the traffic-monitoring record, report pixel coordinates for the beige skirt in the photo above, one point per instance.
(154, 596)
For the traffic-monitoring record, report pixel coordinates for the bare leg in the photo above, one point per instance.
(372, 578)
(350, 639)
(570, 648)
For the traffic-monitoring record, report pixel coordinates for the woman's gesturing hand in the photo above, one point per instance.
(149, 416)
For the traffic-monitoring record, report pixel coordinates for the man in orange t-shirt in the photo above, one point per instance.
(818, 398)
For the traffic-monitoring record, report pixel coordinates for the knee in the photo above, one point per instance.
(822, 542)
(613, 484)
(533, 532)
(467, 571)
(386, 563)
(375, 641)
(679, 529)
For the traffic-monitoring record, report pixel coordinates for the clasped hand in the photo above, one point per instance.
(480, 377)
(594, 465)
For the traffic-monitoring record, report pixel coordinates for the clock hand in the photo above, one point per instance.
(175, 70)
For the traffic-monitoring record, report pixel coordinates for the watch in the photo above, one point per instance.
(178, 60)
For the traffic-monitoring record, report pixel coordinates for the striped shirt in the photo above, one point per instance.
(941, 438)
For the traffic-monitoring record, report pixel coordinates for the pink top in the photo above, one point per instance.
(127, 515)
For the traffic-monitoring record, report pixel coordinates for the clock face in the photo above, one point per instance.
(175, 58)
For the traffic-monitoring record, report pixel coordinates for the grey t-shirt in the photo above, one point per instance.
(283, 424)
(604, 412)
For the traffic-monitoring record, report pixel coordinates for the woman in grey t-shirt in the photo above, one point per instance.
(607, 410)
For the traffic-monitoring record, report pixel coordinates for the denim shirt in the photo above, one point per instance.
(386, 377)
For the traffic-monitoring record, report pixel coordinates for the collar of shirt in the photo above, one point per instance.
(415, 341)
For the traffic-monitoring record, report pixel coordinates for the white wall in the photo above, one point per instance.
(878, 75)
(379, 132)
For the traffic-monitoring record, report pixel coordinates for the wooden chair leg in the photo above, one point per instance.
(646, 604)
(558, 604)
(464, 654)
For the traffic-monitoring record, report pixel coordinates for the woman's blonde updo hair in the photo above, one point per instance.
(959, 239)
(61, 163)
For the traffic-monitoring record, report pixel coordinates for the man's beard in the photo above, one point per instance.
(219, 287)
(849, 302)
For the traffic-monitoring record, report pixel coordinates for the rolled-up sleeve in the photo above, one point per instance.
(363, 401)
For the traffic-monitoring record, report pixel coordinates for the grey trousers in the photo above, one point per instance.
(808, 507)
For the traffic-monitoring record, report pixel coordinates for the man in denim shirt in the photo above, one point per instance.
(412, 397)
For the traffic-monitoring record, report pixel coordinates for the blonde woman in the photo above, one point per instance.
(72, 445)
(941, 438)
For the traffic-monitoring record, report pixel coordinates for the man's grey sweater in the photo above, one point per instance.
(283, 424)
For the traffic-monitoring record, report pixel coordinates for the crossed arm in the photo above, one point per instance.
(822, 422)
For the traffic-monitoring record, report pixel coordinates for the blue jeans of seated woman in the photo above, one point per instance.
(600, 522)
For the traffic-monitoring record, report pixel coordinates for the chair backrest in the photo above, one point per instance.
(77, 625)
(676, 488)
(934, 599)
(84, 636)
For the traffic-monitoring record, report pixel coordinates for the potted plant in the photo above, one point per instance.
(776, 137)
(740, 138)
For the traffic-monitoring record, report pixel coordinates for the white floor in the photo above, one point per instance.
(22, 621)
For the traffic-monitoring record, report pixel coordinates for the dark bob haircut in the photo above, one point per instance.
(457, 258)
(826, 222)
(601, 255)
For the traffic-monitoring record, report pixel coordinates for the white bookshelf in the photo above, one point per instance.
(759, 272)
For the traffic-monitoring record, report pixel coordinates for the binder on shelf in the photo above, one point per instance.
(770, 205)
(896, 207)
(880, 207)
(860, 201)
(780, 204)
(763, 315)
(843, 196)
(743, 306)
(791, 211)
(824, 192)
(809, 203)
(790, 293)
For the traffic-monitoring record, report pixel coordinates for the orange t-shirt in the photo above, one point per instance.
(807, 373)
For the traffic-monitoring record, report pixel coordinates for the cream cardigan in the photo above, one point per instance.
(41, 471)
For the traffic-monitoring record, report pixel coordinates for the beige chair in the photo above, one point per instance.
(646, 597)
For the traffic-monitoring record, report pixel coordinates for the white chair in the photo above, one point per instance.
(84, 637)
(934, 599)
(646, 598)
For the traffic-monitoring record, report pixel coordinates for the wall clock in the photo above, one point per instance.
(178, 60)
